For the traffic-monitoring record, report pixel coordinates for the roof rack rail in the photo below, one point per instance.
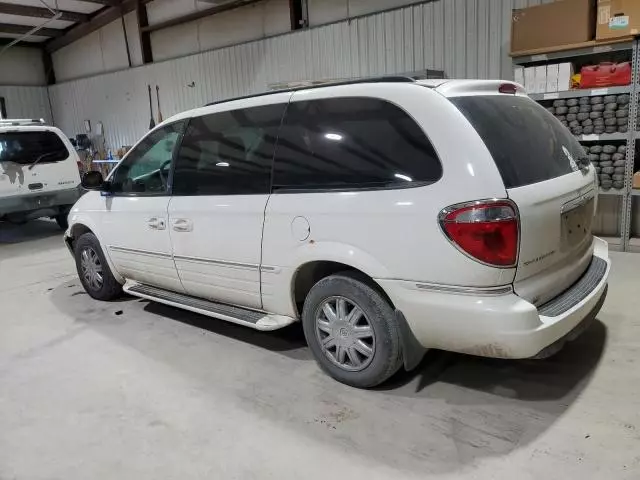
(320, 84)
(21, 122)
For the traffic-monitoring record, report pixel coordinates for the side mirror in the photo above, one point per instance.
(92, 181)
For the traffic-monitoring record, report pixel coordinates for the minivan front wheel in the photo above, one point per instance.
(351, 331)
(93, 270)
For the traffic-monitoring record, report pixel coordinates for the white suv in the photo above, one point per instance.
(387, 216)
(39, 174)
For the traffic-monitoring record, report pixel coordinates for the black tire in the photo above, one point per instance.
(62, 221)
(110, 288)
(387, 356)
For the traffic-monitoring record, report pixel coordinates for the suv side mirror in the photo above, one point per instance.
(93, 181)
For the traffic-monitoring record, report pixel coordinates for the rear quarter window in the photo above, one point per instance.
(25, 147)
(352, 143)
(527, 143)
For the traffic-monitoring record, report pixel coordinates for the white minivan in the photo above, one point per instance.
(39, 174)
(388, 216)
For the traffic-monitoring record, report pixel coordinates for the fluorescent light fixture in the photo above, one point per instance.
(222, 164)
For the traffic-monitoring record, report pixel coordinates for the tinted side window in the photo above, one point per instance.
(145, 170)
(352, 143)
(228, 153)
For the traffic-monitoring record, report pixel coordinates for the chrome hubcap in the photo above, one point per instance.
(345, 334)
(91, 268)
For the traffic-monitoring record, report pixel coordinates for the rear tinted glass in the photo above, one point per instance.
(347, 143)
(27, 147)
(528, 144)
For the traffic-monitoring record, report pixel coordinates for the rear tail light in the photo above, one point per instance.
(508, 88)
(486, 230)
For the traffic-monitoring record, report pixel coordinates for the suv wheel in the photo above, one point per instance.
(352, 331)
(93, 270)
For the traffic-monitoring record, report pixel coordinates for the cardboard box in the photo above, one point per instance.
(530, 79)
(636, 180)
(552, 24)
(617, 18)
(518, 75)
(540, 79)
(552, 78)
(565, 72)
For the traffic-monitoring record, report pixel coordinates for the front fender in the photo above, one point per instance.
(79, 218)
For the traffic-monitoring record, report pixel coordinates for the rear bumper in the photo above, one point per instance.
(33, 203)
(496, 325)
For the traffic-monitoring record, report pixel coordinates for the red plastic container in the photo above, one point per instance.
(605, 75)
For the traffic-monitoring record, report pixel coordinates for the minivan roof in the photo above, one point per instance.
(383, 79)
(445, 87)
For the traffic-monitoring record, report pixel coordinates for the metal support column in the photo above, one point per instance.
(627, 201)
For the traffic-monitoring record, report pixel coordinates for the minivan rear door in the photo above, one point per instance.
(34, 160)
(540, 163)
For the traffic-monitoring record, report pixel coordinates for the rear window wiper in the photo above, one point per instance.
(44, 155)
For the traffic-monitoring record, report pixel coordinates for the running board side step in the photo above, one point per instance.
(242, 316)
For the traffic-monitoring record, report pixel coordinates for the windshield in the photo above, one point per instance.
(26, 147)
(528, 144)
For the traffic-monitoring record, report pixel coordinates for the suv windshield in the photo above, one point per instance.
(528, 144)
(27, 147)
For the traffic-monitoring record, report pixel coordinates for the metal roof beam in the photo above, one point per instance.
(108, 3)
(38, 12)
(23, 29)
(97, 21)
(6, 41)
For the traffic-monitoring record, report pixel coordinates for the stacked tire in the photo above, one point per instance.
(593, 115)
(609, 162)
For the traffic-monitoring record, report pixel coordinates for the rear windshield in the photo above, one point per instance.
(528, 144)
(27, 147)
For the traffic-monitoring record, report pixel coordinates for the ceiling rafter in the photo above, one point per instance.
(108, 3)
(98, 20)
(39, 12)
(24, 29)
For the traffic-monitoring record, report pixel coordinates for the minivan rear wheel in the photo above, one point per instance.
(351, 331)
(93, 269)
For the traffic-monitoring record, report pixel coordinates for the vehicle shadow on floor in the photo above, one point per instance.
(11, 233)
(451, 411)
(533, 380)
(289, 341)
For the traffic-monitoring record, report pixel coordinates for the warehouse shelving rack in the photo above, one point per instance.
(625, 241)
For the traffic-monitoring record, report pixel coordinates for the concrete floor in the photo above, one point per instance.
(135, 390)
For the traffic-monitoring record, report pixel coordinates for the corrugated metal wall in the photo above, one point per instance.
(465, 38)
(26, 102)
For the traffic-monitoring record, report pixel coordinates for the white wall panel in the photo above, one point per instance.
(466, 38)
(135, 50)
(26, 102)
(325, 11)
(174, 42)
(101, 51)
(228, 28)
(22, 66)
(114, 50)
(162, 10)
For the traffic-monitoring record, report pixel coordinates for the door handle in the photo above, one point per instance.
(182, 225)
(155, 223)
